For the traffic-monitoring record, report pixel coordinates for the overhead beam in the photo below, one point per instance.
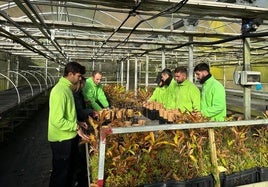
(193, 7)
(109, 29)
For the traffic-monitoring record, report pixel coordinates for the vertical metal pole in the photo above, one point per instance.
(88, 164)
(101, 159)
(136, 76)
(93, 54)
(213, 153)
(46, 70)
(122, 72)
(59, 71)
(17, 70)
(191, 60)
(93, 65)
(8, 73)
(147, 71)
(127, 84)
(247, 89)
(163, 58)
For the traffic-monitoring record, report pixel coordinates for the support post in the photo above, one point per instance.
(8, 73)
(246, 67)
(102, 147)
(163, 58)
(136, 76)
(88, 164)
(122, 72)
(146, 71)
(191, 61)
(213, 154)
(127, 84)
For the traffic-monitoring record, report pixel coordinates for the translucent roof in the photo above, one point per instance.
(101, 30)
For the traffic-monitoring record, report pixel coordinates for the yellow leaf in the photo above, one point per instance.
(193, 158)
(132, 152)
(222, 169)
(165, 143)
(176, 137)
(230, 143)
(150, 136)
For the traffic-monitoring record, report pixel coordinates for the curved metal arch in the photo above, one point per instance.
(52, 77)
(120, 21)
(99, 11)
(40, 86)
(49, 78)
(37, 72)
(17, 91)
(73, 15)
(25, 79)
(93, 20)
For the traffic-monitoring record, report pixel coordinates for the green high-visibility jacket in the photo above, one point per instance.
(158, 94)
(169, 97)
(95, 95)
(184, 96)
(213, 100)
(62, 122)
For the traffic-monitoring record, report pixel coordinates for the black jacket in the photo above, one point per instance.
(80, 106)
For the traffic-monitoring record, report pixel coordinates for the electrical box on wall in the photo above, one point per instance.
(247, 78)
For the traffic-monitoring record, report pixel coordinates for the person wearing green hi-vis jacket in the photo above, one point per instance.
(163, 80)
(183, 94)
(213, 96)
(159, 95)
(93, 92)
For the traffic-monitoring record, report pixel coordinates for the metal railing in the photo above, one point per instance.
(104, 131)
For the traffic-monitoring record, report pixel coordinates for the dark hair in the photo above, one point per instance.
(74, 67)
(158, 78)
(202, 67)
(170, 77)
(94, 72)
(180, 69)
(167, 71)
(168, 81)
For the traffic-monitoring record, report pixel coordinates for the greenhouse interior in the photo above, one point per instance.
(139, 140)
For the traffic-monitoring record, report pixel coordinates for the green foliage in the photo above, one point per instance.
(241, 148)
(143, 158)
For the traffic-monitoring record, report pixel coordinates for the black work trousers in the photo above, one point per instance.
(81, 167)
(64, 155)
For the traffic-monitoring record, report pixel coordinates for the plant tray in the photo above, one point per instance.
(241, 178)
(263, 172)
(167, 184)
(206, 181)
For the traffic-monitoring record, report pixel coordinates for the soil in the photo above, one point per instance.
(25, 155)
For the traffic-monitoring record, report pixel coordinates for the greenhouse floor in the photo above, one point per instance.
(25, 157)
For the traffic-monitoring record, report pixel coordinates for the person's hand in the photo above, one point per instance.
(83, 125)
(95, 115)
(82, 134)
